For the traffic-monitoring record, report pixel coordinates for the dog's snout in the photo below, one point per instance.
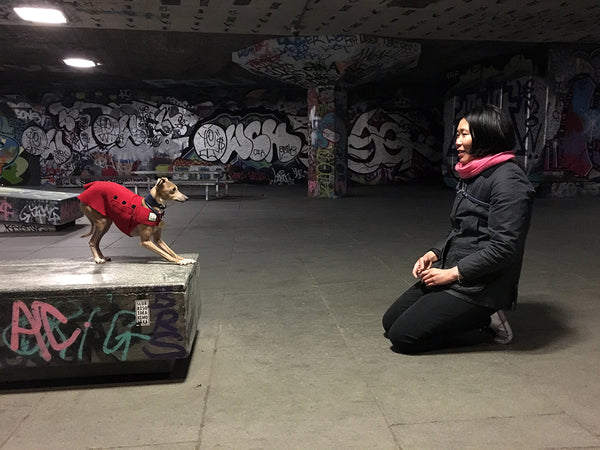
(180, 197)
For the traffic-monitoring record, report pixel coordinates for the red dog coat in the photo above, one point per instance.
(119, 204)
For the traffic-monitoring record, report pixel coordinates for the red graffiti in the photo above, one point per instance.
(38, 319)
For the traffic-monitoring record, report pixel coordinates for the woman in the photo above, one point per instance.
(468, 278)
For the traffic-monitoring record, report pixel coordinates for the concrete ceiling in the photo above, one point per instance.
(169, 43)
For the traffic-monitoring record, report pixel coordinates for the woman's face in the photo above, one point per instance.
(463, 142)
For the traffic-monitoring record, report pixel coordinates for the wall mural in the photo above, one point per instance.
(572, 152)
(12, 164)
(70, 140)
(391, 147)
(557, 120)
(261, 147)
(266, 139)
(523, 100)
(89, 139)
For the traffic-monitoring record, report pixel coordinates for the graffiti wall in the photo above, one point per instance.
(556, 119)
(260, 137)
(524, 101)
(259, 147)
(572, 152)
(12, 165)
(119, 135)
(393, 147)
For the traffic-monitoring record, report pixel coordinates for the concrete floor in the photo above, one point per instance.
(290, 352)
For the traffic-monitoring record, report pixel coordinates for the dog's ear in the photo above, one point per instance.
(160, 181)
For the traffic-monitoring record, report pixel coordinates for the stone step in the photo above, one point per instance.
(36, 210)
(72, 314)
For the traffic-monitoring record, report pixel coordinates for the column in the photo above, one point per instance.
(328, 149)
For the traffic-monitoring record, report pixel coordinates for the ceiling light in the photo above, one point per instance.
(42, 15)
(79, 62)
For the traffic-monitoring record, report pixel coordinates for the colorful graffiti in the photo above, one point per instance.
(12, 164)
(327, 175)
(557, 120)
(89, 139)
(327, 60)
(77, 331)
(573, 150)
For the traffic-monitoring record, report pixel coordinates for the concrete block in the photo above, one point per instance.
(60, 316)
(36, 210)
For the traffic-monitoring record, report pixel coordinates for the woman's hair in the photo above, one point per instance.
(491, 131)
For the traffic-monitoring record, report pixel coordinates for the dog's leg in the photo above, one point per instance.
(86, 210)
(157, 236)
(101, 226)
(160, 247)
(164, 247)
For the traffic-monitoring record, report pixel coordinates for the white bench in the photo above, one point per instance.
(207, 184)
(209, 176)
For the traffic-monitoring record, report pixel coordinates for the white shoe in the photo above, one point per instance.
(500, 326)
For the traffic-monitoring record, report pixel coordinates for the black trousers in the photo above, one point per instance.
(423, 320)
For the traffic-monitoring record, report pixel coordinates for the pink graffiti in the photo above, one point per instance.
(38, 319)
(6, 209)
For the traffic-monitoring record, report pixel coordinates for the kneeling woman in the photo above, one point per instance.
(471, 276)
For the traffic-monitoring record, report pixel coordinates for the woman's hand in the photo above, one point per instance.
(438, 277)
(423, 263)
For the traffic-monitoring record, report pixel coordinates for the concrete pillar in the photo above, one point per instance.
(328, 134)
(323, 64)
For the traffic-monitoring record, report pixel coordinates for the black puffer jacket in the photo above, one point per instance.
(490, 220)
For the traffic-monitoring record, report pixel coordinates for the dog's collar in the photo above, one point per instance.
(152, 204)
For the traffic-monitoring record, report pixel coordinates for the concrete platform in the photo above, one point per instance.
(290, 352)
(26, 210)
(74, 314)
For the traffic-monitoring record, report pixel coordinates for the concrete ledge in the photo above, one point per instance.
(70, 314)
(36, 210)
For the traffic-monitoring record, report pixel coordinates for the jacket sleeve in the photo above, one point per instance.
(511, 197)
(438, 248)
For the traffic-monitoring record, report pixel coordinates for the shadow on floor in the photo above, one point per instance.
(539, 325)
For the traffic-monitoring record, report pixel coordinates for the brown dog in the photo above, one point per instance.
(105, 203)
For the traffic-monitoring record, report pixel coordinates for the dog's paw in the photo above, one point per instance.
(186, 261)
(100, 260)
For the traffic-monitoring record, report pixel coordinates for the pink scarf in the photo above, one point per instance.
(475, 167)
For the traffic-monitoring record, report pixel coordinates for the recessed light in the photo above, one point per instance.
(41, 15)
(79, 62)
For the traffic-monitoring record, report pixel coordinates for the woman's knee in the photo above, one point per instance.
(388, 320)
(406, 348)
(403, 343)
